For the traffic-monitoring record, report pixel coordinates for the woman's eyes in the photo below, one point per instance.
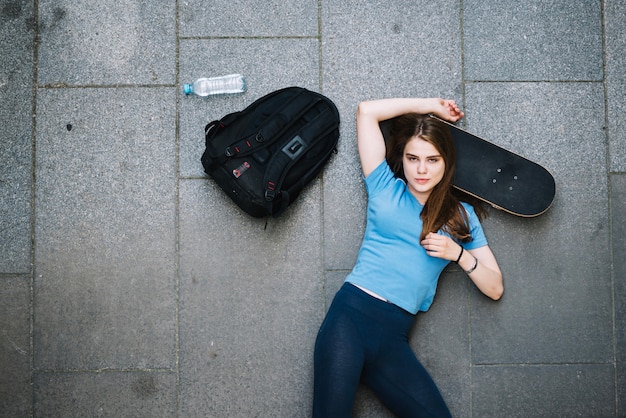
(431, 160)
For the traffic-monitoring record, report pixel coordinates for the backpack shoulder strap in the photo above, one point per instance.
(308, 137)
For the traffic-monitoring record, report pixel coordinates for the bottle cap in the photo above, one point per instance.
(187, 88)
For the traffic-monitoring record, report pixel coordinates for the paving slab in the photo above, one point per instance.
(371, 50)
(16, 104)
(557, 305)
(117, 394)
(615, 40)
(581, 390)
(256, 18)
(15, 390)
(93, 42)
(267, 64)
(250, 304)
(618, 230)
(532, 41)
(106, 229)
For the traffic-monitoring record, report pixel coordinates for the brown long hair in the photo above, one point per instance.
(443, 209)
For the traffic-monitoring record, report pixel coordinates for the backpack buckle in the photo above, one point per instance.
(270, 195)
(270, 191)
(295, 147)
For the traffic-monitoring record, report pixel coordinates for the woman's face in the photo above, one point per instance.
(423, 168)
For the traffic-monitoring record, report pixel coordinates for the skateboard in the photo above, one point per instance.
(500, 178)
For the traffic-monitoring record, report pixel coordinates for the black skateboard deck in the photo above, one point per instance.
(499, 177)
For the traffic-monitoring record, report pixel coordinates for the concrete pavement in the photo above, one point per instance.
(131, 286)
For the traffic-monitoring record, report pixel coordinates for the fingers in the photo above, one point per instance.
(434, 236)
(437, 246)
(452, 112)
(432, 243)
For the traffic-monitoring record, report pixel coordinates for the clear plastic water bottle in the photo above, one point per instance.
(228, 84)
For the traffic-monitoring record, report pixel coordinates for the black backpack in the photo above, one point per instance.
(264, 155)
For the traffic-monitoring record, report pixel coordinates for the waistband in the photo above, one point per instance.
(376, 309)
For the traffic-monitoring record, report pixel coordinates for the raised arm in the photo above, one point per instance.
(370, 139)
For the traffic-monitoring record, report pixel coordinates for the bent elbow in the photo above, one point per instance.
(363, 108)
(497, 293)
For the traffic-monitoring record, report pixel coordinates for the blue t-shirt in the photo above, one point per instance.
(391, 261)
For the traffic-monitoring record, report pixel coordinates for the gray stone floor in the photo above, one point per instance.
(130, 286)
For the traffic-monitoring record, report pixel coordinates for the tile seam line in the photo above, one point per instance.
(108, 370)
(607, 150)
(19, 275)
(322, 238)
(320, 63)
(259, 37)
(58, 86)
(534, 81)
(33, 197)
(177, 234)
(556, 364)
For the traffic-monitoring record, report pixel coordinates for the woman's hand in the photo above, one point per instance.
(447, 110)
(441, 246)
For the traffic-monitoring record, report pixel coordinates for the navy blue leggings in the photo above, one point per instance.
(366, 339)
